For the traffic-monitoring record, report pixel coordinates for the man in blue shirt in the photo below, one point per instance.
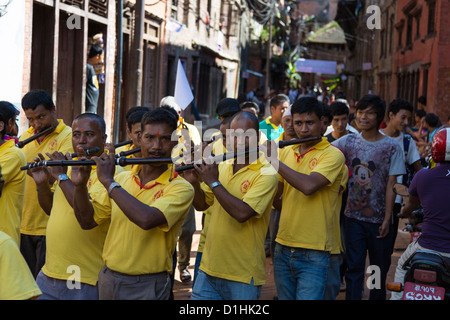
(271, 126)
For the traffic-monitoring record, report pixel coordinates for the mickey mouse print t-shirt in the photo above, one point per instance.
(370, 164)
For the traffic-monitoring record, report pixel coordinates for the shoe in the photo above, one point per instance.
(185, 276)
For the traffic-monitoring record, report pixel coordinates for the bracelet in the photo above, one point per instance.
(112, 186)
(215, 184)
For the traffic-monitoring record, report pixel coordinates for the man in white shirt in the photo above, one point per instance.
(399, 115)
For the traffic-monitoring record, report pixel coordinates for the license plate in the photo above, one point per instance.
(415, 291)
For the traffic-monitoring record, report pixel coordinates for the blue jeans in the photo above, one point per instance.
(360, 238)
(198, 259)
(212, 288)
(300, 274)
(334, 277)
(56, 289)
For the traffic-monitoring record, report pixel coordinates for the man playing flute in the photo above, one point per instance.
(41, 114)
(146, 207)
(72, 253)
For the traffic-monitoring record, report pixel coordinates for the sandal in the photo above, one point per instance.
(185, 276)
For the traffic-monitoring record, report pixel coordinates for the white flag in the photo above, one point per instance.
(173, 25)
(183, 93)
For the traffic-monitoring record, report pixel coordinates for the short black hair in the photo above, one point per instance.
(135, 117)
(160, 115)
(422, 100)
(308, 105)
(373, 100)
(250, 104)
(94, 117)
(279, 99)
(95, 50)
(134, 109)
(421, 113)
(400, 104)
(35, 98)
(7, 111)
(339, 108)
(327, 112)
(432, 120)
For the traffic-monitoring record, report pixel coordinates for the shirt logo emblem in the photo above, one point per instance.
(244, 186)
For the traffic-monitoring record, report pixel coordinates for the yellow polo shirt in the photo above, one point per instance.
(17, 282)
(128, 248)
(234, 250)
(68, 244)
(336, 244)
(308, 221)
(13, 190)
(217, 149)
(34, 219)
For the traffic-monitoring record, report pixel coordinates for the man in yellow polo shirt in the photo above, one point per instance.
(240, 193)
(310, 179)
(41, 114)
(72, 253)
(190, 136)
(12, 179)
(134, 131)
(146, 207)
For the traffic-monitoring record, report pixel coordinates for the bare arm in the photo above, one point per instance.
(389, 200)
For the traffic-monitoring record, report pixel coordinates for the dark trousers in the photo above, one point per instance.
(33, 249)
(360, 238)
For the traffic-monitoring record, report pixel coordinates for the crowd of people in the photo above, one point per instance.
(84, 225)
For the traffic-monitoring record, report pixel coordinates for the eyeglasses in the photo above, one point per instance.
(367, 113)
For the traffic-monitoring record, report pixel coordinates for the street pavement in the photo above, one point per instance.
(182, 291)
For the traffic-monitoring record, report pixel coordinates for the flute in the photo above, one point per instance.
(129, 152)
(227, 156)
(89, 152)
(283, 143)
(22, 143)
(118, 161)
(219, 158)
(123, 143)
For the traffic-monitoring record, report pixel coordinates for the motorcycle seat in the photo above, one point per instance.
(429, 257)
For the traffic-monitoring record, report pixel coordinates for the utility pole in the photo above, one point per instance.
(268, 56)
(138, 53)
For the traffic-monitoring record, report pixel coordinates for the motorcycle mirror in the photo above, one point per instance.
(400, 189)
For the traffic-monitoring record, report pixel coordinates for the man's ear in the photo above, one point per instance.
(391, 115)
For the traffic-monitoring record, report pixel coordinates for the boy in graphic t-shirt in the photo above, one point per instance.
(375, 161)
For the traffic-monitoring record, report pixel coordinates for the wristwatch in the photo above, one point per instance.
(215, 184)
(62, 177)
(112, 186)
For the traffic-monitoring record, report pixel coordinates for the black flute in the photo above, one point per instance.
(282, 143)
(219, 158)
(89, 152)
(21, 144)
(123, 161)
(227, 156)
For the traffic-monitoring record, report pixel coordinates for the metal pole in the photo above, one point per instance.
(119, 69)
(268, 56)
